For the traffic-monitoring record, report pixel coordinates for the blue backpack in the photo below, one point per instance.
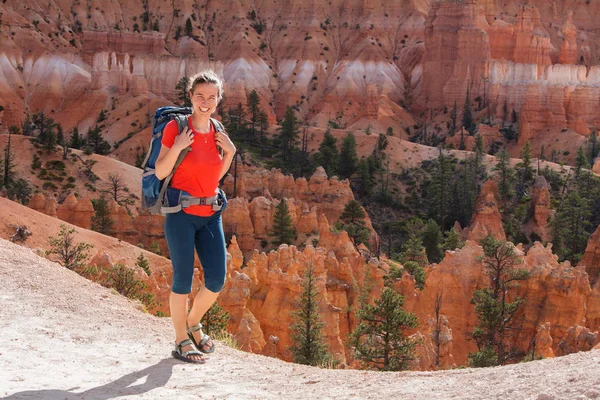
(154, 189)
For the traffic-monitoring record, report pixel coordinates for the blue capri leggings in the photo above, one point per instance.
(186, 232)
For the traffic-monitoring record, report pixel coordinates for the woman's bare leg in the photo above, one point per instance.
(202, 302)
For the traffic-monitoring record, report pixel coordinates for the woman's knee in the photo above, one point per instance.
(215, 283)
(182, 284)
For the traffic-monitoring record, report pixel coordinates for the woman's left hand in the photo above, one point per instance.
(224, 142)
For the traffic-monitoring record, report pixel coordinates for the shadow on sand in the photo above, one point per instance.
(156, 376)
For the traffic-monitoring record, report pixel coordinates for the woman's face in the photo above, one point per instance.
(205, 98)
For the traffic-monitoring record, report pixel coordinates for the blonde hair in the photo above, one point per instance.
(208, 76)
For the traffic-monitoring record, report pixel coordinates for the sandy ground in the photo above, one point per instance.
(63, 337)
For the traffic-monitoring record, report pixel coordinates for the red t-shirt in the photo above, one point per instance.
(199, 172)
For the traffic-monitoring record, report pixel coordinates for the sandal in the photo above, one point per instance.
(203, 341)
(179, 354)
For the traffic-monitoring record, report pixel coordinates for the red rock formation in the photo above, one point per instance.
(428, 349)
(596, 167)
(41, 203)
(457, 52)
(568, 49)
(543, 342)
(555, 293)
(577, 338)
(591, 257)
(541, 207)
(306, 201)
(532, 42)
(486, 218)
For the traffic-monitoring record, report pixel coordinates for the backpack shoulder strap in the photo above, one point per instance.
(182, 122)
(218, 125)
(219, 128)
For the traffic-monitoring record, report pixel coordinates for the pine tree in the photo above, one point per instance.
(142, 262)
(62, 142)
(189, 29)
(20, 191)
(101, 220)
(50, 141)
(1, 171)
(288, 136)
(378, 340)
(76, 139)
(365, 180)
(352, 221)
(239, 122)
(60, 137)
(570, 227)
(432, 241)
(8, 173)
(453, 114)
(384, 195)
(215, 320)
(328, 154)
(453, 241)
(254, 109)
(524, 167)
(478, 167)
(463, 191)
(492, 306)
(581, 161)
(439, 190)
(308, 341)
(182, 92)
(348, 157)
(155, 248)
(28, 126)
(96, 141)
(70, 254)
(263, 127)
(506, 183)
(413, 249)
(140, 155)
(46, 126)
(283, 231)
(101, 116)
(467, 117)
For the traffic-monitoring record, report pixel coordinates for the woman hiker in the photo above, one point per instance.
(197, 226)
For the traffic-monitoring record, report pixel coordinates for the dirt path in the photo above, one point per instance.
(63, 337)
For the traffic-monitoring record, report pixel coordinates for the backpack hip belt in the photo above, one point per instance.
(186, 201)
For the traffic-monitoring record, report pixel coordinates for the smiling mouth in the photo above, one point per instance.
(204, 109)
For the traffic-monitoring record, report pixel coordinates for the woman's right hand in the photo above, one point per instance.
(183, 140)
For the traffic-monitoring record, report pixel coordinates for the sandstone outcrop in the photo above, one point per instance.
(596, 166)
(486, 218)
(543, 342)
(577, 338)
(541, 207)
(591, 257)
